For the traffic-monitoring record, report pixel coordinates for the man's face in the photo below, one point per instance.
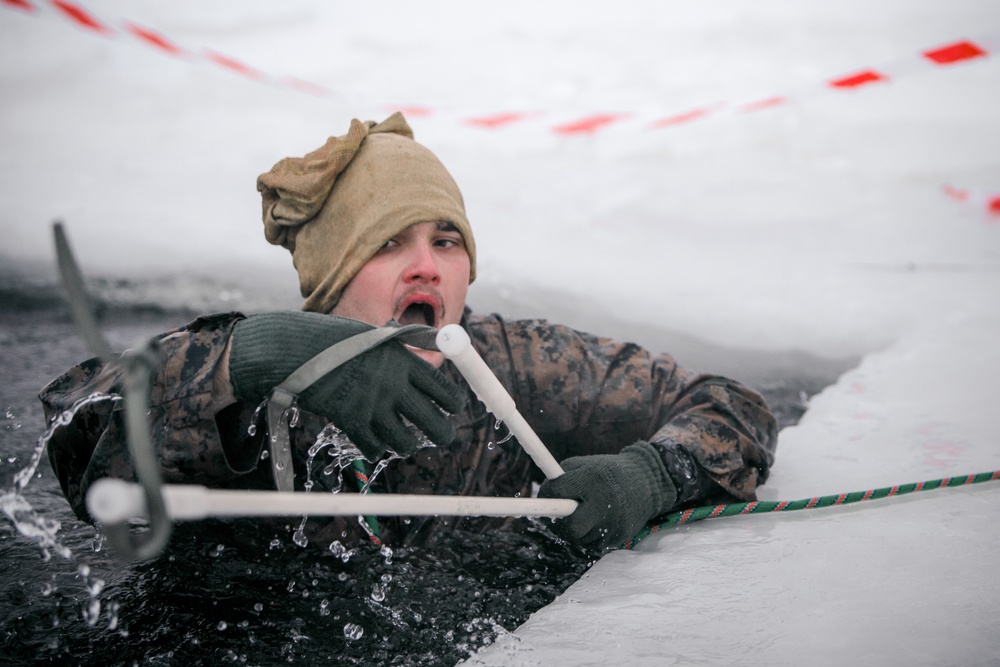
(420, 276)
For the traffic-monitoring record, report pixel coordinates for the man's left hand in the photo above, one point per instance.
(618, 494)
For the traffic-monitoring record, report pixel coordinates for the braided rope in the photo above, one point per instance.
(765, 506)
(361, 477)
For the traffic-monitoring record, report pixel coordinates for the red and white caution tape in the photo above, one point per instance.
(83, 18)
(946, 55)
(978, 199)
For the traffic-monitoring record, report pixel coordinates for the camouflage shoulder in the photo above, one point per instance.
(213, 322)
(191, 357)
(86, 378)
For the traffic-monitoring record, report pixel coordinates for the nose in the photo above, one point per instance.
(422, 265)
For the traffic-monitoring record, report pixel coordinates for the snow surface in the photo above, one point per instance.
(820, 226)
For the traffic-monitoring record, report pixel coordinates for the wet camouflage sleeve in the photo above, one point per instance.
(186, 397)
(588, 395)
(582, 394)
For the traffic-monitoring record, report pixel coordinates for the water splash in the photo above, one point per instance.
(10, 416)
(43, 530)
(340, 449)
(340, 551)
(22, 478)
(299, 536)
(252, 429)
(94, 586)
(342, 453)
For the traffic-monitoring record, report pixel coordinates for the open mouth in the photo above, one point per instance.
(417, 313)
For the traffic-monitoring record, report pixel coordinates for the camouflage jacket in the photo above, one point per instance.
(580, 393)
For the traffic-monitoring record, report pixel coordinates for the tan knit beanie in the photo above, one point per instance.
(334, 208)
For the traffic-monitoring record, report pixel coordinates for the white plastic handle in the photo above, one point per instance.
(115, 501)
(454, 343)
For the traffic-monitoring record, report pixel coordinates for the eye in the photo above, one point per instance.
(391, 243)
(449, 242)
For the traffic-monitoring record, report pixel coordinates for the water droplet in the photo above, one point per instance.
(259, 607)
(264, 454)
(92, 611)
(387, 554)
(275, 543)
(353, 631)
(378, 593)
(113, 615)
(252, 430)
(222, 625)
(299, 537)
(496, 427)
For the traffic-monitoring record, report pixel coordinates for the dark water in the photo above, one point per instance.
(204, 602)
(215, 598)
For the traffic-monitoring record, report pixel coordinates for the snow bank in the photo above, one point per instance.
(908, 579)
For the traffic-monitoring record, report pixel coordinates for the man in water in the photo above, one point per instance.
(378, 234)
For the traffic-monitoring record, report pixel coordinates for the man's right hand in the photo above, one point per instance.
(368, 397)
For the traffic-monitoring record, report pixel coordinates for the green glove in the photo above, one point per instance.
(367, 397)
(618, 494)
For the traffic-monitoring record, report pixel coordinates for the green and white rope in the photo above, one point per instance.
(766, 506)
